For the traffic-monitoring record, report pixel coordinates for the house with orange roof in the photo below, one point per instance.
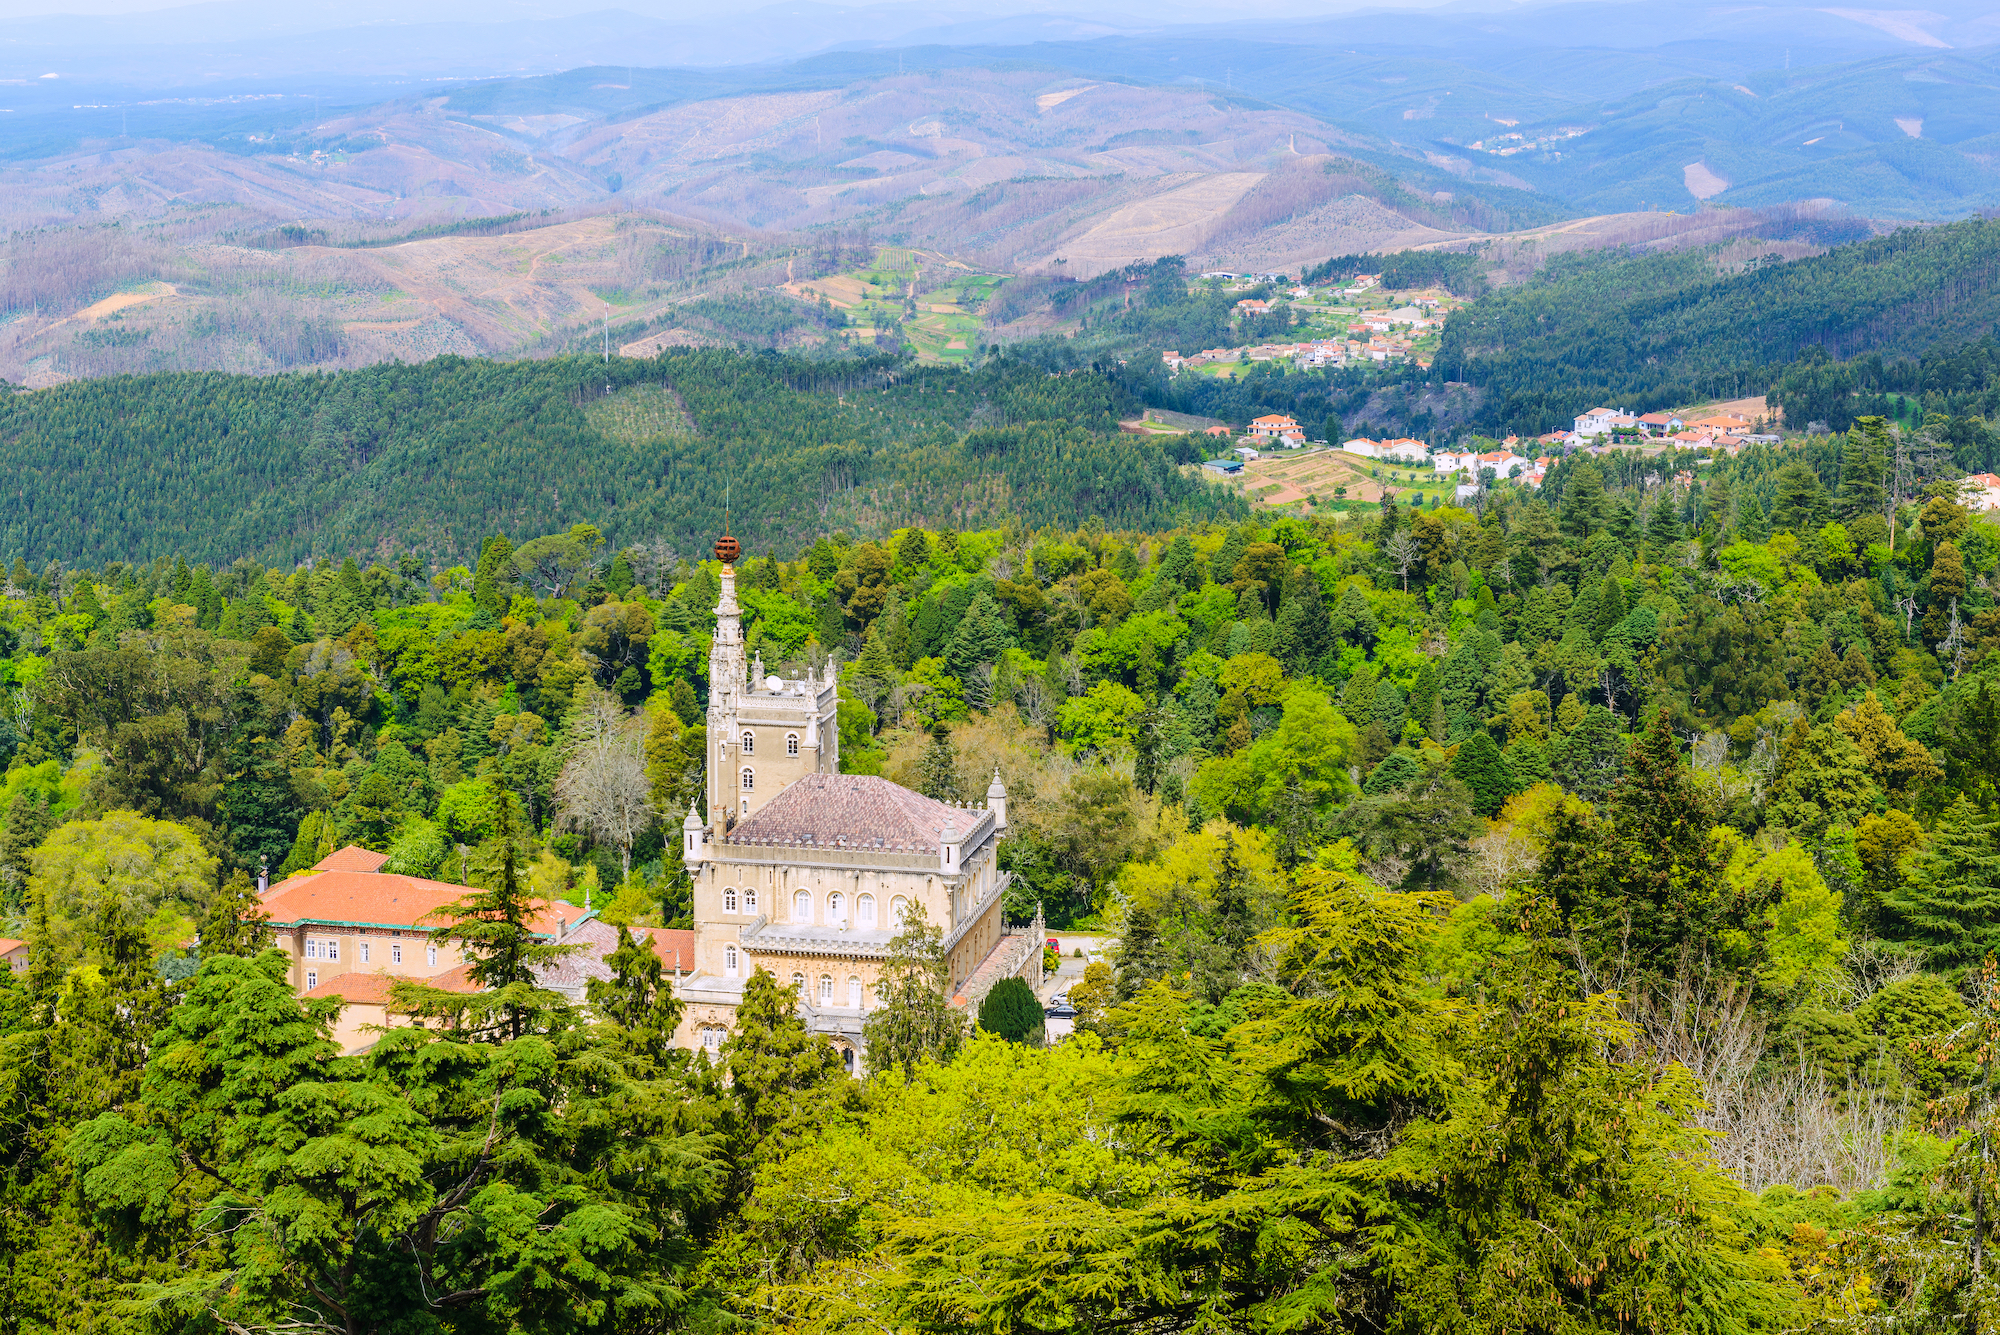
(346, 915)
(1982, 491)
(1361, 445)
(1273, 425)
(14, 954)
(1407, 449)
(1597, 421)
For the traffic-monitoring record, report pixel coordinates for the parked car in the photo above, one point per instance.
(1058, 1007)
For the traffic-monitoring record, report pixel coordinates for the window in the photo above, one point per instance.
(897, 908)
(854, 993)
(312, 979)
(866, 912)
(798, 982)
(826, 989)
(749, 899)
(791, 743)
(431, 956)
(333, 949)
(396, 953)
(847, 1059)
(729, 899)
(312, 949)
(711, 1037)
(749, 746)
(749, 778)
(364, 952)
(729, 961)
(836, 909)
(802, 906)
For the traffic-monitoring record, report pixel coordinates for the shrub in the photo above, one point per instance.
(1012, 1012)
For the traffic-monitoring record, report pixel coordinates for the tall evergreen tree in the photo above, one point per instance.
(1950, 901)
(637, 997)
(1011, 1011)
(1485, 772)
(913, 1021)
(1863, 464)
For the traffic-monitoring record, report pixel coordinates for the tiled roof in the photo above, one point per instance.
(365, 988)
(352, 858)
(674, 946)
(8, 945)
(376, 899)
(863, 810)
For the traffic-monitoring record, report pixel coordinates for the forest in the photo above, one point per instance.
(431, 457)
(1569, 912)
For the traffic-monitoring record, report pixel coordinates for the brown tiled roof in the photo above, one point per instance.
(8, 945)
(352, 858)
(375, 899)
(861, 809)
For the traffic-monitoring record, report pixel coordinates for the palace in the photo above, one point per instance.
(806, 872)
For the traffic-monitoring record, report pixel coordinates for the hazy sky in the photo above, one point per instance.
(342, 13)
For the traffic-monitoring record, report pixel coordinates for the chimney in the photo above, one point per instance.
(263, 876)
(948, 849)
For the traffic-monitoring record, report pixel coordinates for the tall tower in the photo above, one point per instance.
(726, 676)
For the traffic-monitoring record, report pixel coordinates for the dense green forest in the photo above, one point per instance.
(1657, 331)
(1573, 913)
(431, 457)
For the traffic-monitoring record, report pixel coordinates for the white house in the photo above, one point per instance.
(1361, 445)
(1982, 491)
(1406, 449)
(1452, 461)
(1504, 463)
(1597, 421)
(1245, 453)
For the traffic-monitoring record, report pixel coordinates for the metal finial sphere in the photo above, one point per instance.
(727, 549)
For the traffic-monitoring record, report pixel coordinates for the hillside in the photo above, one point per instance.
(431, 458)
(1655, 331)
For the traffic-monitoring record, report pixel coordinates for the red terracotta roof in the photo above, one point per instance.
(352, 858)
(8, 945)
(373, 899)
(369, 989)
(674, 947)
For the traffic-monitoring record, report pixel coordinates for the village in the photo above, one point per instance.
(1354, 323)
(1275, 464)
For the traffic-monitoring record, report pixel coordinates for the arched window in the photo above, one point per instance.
(847, 1059)
(749, 899)
(799, 983)
(711, 1037)
(854, 993)
(865, 907)
(749, 746)
(791, 743)
(749, 778)
(729, 961)
(802, 906)
(826, 989)
(836, 910)
(897, 908)
(729, 899)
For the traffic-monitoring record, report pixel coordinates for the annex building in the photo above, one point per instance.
(806, 872)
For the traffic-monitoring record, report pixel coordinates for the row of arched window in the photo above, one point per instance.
(750, 745)
(865, 916)
(732, 967)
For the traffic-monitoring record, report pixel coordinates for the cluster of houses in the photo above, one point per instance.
(1728, 432)
(1504, 464)
(1314, 353)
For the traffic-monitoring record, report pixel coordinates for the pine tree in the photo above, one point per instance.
(1305, 632)
(1581, 510)
(636, 997)
(1010, 1011)
(490, 927)
(1483, 770)
(234, 922)
(620, 579)
(1611, 608)
(1752, 524)
(1862, 466)
(1950, 901)
(937, 768)
(493, 580)
(1398, 770)
(1663, 525)
(982, 636)
(913, 1021)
